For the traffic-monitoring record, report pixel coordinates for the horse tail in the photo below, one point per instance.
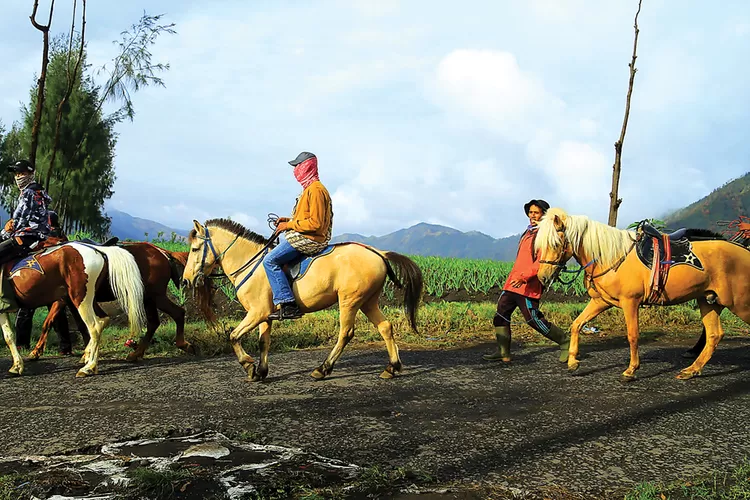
(127, 285)
(407, 276)
(202, 294)
(177, 263)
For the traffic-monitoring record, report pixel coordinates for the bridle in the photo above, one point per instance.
(560, 264)
(208, 244)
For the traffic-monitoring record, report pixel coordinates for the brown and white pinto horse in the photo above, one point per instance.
(77, 270)
(157, 267)
(352, 275)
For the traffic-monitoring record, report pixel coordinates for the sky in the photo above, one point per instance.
(453, 113)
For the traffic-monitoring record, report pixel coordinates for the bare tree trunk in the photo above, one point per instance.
(69, 89)
(42, 77)
(614, 201)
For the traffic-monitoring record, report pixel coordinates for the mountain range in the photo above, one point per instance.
(725, 203)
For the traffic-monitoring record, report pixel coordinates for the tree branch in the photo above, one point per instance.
(69, 89)
(614, 201)
(42, 77)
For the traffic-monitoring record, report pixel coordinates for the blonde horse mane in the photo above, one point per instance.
(598, 241)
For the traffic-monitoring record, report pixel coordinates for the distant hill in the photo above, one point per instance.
(725, 203)
(441, 241)
(125, 226)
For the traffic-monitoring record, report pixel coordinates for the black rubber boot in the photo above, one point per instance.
(289, 310)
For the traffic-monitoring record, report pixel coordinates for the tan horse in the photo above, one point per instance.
(352, 275)
(616, 277)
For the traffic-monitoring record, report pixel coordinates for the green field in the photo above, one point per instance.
(442, 275)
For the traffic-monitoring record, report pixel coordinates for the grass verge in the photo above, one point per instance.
(440, 324)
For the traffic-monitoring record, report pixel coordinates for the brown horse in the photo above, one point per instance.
(76, 271)
(352, 275)
(616, 277)
(157, 267)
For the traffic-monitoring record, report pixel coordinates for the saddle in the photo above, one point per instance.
(297, 268)
(659, 252)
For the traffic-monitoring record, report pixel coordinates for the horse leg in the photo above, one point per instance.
(177, 313)
(630, 311)
(248, 323)
(96, 320)
(57, 308)
(714, 332)
(152, 323)
(591, 311)
(347, 315)
(10, 339)
(264, 339)
(80, 324)
(377, 318)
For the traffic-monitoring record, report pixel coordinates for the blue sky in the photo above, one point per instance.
(448, 112)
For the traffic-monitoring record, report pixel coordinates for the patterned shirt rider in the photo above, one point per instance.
(31, 217)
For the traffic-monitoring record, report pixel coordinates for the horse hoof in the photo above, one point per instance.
(386, 375)
(133, 357)
(15, 371)
(34, 356)
(188, 348)
(626, 378)
(317, 374)
(684, 375)
(82, 373)
(573, 367)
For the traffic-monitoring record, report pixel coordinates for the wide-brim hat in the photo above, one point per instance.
(21, 167)
(539, 203)
(303, 156)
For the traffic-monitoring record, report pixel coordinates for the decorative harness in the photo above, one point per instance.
(589, 275)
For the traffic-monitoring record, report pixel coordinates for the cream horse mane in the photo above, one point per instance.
(596, 240)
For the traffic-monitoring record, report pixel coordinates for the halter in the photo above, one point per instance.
(560, 264)
(207, 243)
(217, 257)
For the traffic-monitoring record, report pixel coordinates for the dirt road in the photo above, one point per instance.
(529, 426)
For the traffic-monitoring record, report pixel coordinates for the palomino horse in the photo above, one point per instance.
(76, 271)
(353, 274)
(157, 266)
(616, 277)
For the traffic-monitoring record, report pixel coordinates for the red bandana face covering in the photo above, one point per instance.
(307, 172)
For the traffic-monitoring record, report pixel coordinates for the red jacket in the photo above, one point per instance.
(526, 268)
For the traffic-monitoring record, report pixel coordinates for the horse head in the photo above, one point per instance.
(553, 245)
(202, 256)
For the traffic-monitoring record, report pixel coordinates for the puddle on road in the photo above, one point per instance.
(211, 464)
(237, 467)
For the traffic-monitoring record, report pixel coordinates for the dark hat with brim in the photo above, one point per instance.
(303, 156)
(539, 203)
(21, 167)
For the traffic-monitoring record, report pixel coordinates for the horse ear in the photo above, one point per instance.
(198, 226)
(558, 222)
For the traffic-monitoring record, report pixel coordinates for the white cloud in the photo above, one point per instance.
(246, 220)
(489, 89)
(349, 208)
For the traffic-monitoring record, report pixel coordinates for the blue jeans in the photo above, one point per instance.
(283, 253)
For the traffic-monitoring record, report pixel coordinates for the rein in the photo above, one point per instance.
(207, 243)
(582, 269)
